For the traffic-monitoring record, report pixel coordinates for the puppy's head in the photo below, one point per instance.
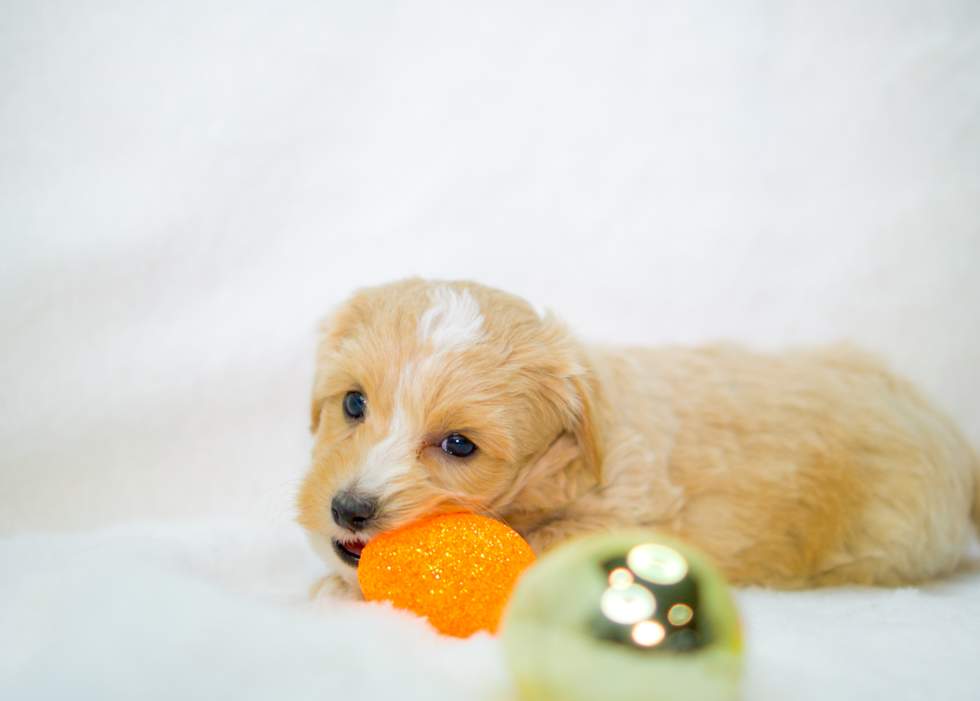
(433, 397)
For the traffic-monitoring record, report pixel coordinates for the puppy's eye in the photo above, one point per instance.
(354, 405)
(458, 445)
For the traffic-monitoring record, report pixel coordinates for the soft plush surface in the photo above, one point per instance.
(218, 610)
(187, 186)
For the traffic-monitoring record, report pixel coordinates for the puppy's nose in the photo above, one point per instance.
(352, 512)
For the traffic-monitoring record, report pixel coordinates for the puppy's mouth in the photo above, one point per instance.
(349, 552)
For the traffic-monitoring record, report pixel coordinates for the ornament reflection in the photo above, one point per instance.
(657, 563)
(620, 578)
(628, 605)
(651, 602)
(680, 614)
(648, 633)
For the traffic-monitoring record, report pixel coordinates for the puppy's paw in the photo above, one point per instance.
(336, 587)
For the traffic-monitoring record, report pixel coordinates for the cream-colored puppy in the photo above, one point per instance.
(797, 470)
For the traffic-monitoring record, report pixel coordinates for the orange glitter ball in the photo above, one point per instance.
(456, 569)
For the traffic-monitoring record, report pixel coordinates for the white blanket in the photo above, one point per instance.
(218, 610)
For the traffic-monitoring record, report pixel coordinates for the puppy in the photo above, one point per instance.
(798, 470)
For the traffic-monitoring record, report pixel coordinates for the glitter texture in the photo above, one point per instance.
(458, 570)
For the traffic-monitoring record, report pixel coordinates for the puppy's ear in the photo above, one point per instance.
(332, 331)
(574, 391)
(578, 409)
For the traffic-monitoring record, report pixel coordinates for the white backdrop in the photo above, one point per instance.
(186, 187)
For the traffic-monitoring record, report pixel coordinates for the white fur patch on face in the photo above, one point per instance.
(388, 459)
(454, 320)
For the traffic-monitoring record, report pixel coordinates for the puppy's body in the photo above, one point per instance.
(803, 469)
(793, 470)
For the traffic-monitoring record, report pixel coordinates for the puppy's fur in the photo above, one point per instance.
(797, 470)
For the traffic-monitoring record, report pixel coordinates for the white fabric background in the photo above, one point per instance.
(187, 186)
